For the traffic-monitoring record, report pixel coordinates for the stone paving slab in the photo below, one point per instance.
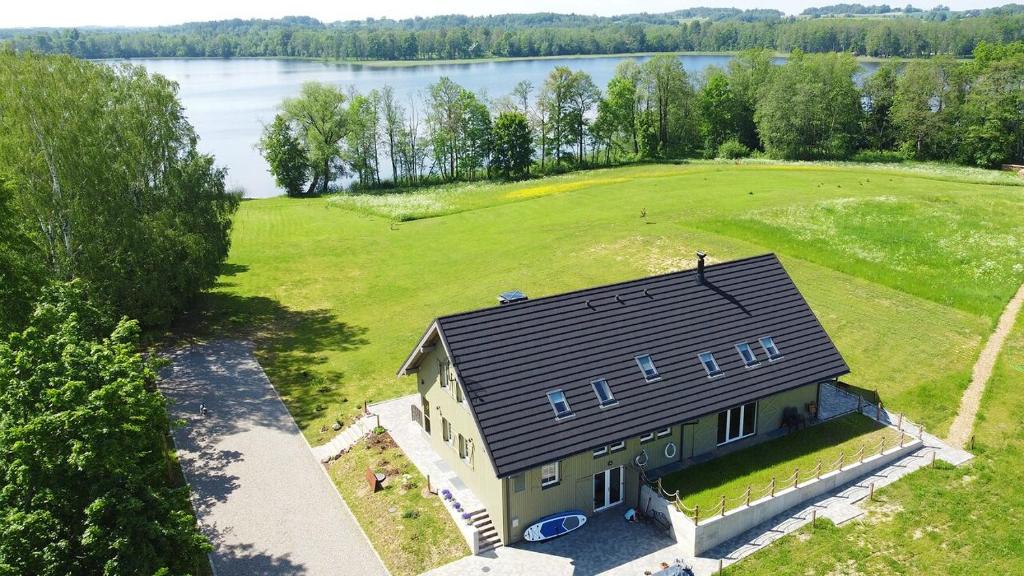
(262, 498)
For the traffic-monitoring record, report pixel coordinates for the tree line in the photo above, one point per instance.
(808, 108)
(110, 220)
(533, 35)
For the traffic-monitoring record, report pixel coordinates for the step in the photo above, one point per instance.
(482, 524)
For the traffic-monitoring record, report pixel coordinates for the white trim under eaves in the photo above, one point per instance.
(421, 349)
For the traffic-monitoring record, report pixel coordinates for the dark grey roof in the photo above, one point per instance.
(508, 357)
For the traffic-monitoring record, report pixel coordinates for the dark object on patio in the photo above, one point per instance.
(812, 410)
(374, 480)
(792, 419)
(678, 568)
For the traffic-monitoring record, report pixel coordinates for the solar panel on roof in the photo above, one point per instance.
(511, 296)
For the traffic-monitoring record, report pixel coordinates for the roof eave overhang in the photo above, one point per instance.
(413, 360)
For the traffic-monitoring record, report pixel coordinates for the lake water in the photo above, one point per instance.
(229, 101)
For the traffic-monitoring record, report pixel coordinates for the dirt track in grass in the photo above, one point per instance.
(963, 425)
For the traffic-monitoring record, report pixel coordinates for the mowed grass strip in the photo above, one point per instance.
(800, 452)
(940, 520)
(410, 530)
(337, 297)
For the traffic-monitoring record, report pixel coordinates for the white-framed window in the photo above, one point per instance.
(604, 393)
(747, 354)
(549, 474)
(664, 432)
(559, 404)
(647, 437)
(736, 423)
(600, 451)
(620, 445)
(465, 449)
(707, 359)
(442, 373)
(446, 431)
(646, 364)
(770, 348)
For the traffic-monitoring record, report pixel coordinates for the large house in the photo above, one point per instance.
(558, 403)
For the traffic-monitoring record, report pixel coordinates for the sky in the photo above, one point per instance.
(64, 13)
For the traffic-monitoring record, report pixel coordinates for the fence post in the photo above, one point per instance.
(773, 486)
(871, 494)
(748, 494)
(933, 458)
(720, 567)
(378, 420)
(842, 460)
(796, 477)
(723, 504)
(901, 438)
(900, 425)
(818, 475)
(814, 517)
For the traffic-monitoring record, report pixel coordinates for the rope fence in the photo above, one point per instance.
(754, 493)
(908, 430)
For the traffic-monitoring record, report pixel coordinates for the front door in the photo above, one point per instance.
(608, 488)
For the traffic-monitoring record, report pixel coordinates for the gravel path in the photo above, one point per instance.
(963, 425)
(262, 498)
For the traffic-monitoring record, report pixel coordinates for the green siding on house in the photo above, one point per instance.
(478, 475)
(702, 437)
(516, 502)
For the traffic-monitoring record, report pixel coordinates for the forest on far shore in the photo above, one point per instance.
(852, 28)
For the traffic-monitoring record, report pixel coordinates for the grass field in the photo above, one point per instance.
(411, 532)
(339, 289)
(729, 476)
(935, 521)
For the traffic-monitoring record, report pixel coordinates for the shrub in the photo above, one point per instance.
(879, 156)
(732, 149)
(411, 514)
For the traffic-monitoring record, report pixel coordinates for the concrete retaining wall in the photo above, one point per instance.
(696, 539)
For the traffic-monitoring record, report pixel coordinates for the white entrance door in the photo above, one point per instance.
(609, 486)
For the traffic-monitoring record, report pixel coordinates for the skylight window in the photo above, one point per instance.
(747, 353)
(770, 348)
(647, 367)
(604, 393)
(559, 404)
(710, 365)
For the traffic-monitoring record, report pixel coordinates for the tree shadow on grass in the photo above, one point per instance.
(291, 345)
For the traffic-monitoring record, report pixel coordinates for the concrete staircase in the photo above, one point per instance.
(345, 440)
(487, 533)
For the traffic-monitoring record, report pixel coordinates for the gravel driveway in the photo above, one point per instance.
(262, 498)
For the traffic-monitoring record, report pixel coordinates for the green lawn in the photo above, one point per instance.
(705, 484)
(936, 521)
(410, 530)
(337, 291)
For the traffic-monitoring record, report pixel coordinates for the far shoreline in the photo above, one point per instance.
(487, 60)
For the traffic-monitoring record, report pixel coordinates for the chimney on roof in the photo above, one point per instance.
(700, 267)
